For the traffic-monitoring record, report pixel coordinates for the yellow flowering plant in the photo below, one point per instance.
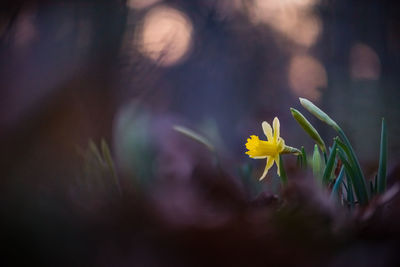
(340, 155)
(347, 184)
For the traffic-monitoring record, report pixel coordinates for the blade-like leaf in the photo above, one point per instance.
(95, 151)
(351, 176)
(308, 128)
(350, 194)
(298, 161)
(330, 164)
(195, 136)
(382, 160)
(110, 163)
(252, 186)
(354, 161)
(338, 182)
(303, 157)
(317, 112)
(371, 188)
(353, 169)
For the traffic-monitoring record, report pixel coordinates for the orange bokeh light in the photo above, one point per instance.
(306, 77)
(364, 63)
(293, 19)
(165, 36)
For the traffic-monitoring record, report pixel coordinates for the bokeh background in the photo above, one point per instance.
(127, 71)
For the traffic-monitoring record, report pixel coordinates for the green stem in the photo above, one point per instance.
(282, 172)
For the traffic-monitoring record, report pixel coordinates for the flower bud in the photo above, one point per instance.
(307, 126)
(317, 112)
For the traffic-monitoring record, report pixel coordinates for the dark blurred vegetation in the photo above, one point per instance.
(71, 71)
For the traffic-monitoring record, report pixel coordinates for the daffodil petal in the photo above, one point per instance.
(276, 126)
(270, 162)
(267, 130)
(259, 157)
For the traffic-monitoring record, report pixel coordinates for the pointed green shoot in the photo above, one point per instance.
(303, 157)
(382, 160)
(308, 128)
(298, 161)
(330, 164)
(316, 163)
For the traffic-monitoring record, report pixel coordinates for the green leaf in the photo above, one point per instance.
(382, 160)
(202, 140)
(330, 164)
(298, 161)
(110, 163)
(195, 136)
(317, 112)
(308, 128)
(303, 157)
(282, 171)
(252, 186)
(359, 189)
(338, 182)
(371, 188)
(354, 161)
(316, 163)
(350, 194)
(95, 151)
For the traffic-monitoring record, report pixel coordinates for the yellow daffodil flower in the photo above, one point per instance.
(260, 149)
